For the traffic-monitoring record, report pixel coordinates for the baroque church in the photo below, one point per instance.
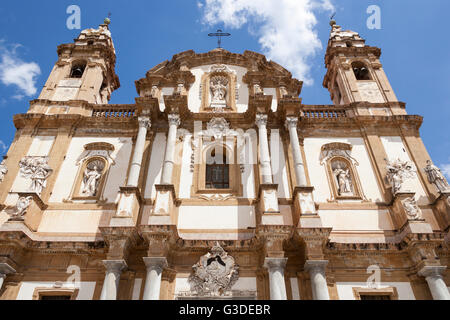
(218, 182)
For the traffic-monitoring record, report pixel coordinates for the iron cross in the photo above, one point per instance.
(219, 34)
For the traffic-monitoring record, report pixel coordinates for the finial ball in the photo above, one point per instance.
(107, 21)
(332, 22)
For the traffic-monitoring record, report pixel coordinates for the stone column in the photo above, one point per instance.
(264, 155)
(5, 269)
(136, 163)
(169, 159)
(319, 286)
(155, 267)
(291, 125)
(436, 283)
(111, 284)
(276, 266)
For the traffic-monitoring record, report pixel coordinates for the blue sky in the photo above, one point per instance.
(413, 38)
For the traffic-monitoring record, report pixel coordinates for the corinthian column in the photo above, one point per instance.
(111, 284)
(436, 283)
(155, 267)
(169, 159)
(136, 163)
(276, 266)
(264, 155)
(291, 125)
(319, 285)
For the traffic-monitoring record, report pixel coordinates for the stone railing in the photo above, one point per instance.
(111, 111)
(323, 113)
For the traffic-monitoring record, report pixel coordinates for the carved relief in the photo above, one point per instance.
(37, 170)
(215, 274)
(436, 177)
(219, 90)
(370, 92)
(20, 209)
(412, 209)
(397, 172)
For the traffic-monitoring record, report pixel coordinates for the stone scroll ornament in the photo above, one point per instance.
(215, 274)
(436, 177)
(37, 170)
(20, 209)
(397, 172)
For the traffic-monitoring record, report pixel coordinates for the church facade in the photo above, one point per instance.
(219, 183)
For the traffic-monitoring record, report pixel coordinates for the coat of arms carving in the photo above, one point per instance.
(214, 274)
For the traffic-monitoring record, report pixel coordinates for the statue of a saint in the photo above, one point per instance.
(343, 178)
(436, 177)
(3, 170)
(90, 181)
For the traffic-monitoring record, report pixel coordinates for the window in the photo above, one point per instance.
(360, 70)
(389, 293)
(77, 70)
(217, 171)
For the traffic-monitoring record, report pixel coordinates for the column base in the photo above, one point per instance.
(127, 208)
(305, 211)
(268, 205)
(165, 203)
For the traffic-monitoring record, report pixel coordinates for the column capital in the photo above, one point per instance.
(261, 119)
(114, 266)
(156, 263)
(291, 122)
(6, 269)
(316, 266)
(145, 122)
(174, 119)
(432, 271)
(274, 264)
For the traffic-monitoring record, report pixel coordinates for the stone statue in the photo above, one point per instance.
(3, 170)
(343, 178)
(91, 180)
(397, 172)
(218, 87)
(412, 209)
(214, 274)
(436, 177)
(36, 169)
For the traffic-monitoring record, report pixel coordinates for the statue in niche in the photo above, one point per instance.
(91, 178)
(343, 178)
(436, 177)
(36, 169)
(219, 90)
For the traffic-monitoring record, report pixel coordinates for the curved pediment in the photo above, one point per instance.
(218, 79)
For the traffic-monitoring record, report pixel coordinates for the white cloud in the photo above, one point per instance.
(285, 28)
(3, 147)
(446, 169)
(14, 71)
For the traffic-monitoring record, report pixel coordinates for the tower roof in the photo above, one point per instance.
(101, 35)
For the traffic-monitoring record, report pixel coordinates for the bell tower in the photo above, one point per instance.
(354, 73)
(85, 69)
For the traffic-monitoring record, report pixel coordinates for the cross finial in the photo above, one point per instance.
(219, 34)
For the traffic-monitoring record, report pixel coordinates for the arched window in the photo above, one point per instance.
(360, 70)
(217, 170)
(77, 70)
